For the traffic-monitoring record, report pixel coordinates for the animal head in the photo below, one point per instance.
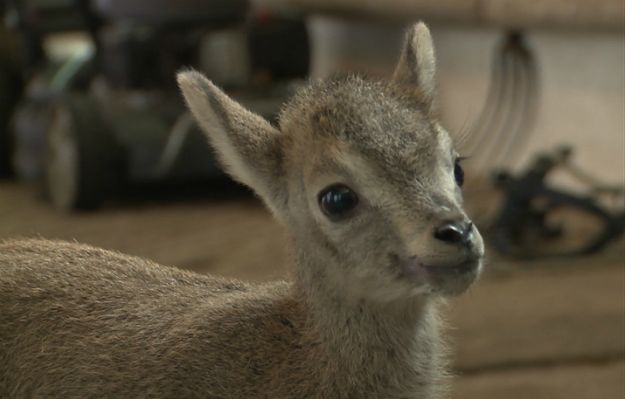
(361, 172)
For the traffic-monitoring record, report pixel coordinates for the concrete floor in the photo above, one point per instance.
(541, 330)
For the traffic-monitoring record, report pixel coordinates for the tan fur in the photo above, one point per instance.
(358, 320)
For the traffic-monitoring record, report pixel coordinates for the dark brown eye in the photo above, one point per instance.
(458, 173)
(337, 201)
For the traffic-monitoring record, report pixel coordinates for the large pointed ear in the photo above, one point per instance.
(247, 145)
(417, 63)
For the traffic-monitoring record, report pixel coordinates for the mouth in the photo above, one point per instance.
(447, 278)
(470, 265)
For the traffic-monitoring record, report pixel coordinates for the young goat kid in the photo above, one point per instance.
(366, 180)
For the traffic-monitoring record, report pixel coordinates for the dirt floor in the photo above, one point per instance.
(527, 330)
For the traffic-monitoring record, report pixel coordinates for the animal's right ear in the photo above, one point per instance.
(417, 63)
(247, 145)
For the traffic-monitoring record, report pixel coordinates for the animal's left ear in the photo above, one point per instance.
(246, 144)
(417, 63)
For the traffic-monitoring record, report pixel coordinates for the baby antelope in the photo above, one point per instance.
(368, 184)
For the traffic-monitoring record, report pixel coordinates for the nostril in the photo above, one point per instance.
(451, 233)
(454, 233)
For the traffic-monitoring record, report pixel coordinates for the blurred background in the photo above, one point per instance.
(96, 146)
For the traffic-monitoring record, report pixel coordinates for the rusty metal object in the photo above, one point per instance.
(504, 126)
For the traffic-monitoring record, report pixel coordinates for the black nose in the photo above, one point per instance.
(455, 233)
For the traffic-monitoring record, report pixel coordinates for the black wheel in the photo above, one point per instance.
(82, 156)
(10, 90)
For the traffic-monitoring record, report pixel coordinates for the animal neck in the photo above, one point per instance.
(383, 342)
